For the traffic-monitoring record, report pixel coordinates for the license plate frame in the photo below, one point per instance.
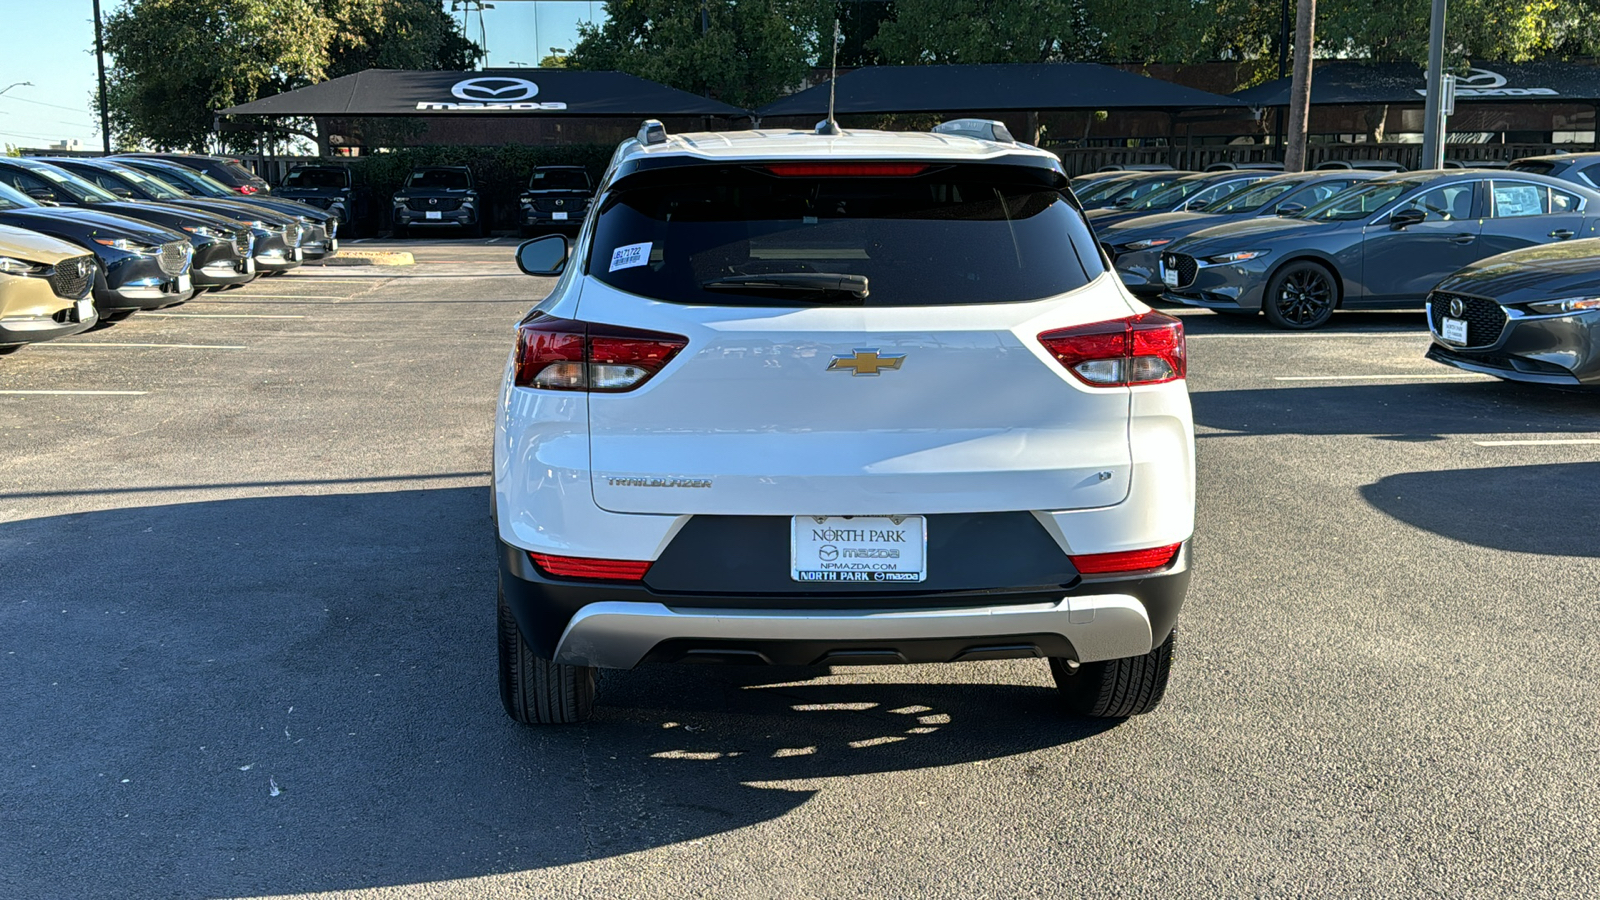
(1169, 277)
(559, 216)
(185, 283)
(433, 215)
(858, 549)
(1453, 330)
(84, 309)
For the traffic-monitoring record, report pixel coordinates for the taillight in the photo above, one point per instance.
(1143, 349)
(584, 567)
(568, 355)
(1126, 562)
(846, 170)
(248, 189)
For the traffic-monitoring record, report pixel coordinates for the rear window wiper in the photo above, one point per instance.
(792, 282)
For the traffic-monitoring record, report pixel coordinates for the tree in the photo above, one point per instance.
(749, 52)
(175, 62)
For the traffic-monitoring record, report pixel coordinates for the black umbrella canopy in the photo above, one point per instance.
(1359, 84)
(1023, 87)
(504, 92)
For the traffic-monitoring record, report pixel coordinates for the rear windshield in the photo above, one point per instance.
(439, 178)
(559, 180)
(232, 173)
(951, 236)
(315, 178)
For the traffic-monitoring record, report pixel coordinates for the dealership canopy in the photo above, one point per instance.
(504, 92)
(1357, 84)
(1019, 87)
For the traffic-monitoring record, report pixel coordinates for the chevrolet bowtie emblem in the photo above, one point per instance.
(865, 362)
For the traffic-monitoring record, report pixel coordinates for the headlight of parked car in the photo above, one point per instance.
(12, 266)
(1237, 256)
(1569, 305)
(126, 245)
(208, 231)
(1152, 242)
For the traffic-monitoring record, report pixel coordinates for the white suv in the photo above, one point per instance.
(812, 399)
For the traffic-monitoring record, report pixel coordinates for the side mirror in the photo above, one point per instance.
(1291, 209)
(543, 256)
(1406, 218)
(43, 195)
(1123, 203)
(124, 193)
(1194, 205)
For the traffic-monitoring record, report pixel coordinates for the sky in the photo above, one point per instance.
(58, 58)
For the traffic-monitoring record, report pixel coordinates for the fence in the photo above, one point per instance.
(1078, 160)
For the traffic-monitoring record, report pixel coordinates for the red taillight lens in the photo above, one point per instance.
(1126, 561)
(248, 189)
(581, 567)
(846, 170)
(567, 355)
(1143, 349)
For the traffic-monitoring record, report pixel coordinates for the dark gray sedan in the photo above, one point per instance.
(1528, 315)
(1195, 192)
(1135, 245)
(1383, 244)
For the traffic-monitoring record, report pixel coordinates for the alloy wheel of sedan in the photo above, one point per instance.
(1300, 296)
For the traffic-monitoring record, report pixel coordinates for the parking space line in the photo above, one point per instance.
(283, 297)
(1551, 442)
(151, 315)
(1395, 377)
(79, 393)
(121, 344)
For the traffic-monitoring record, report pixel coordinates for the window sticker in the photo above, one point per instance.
(630, 256)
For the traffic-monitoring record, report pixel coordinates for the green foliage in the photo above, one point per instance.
(1514, 30)
(502, 171)
(752, 52)
(174, 62)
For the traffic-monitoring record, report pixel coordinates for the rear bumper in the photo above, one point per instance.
(617, 625)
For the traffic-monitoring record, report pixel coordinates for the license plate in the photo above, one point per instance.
(1170, 276)
(250, 265)
(433, 214)
(333, 245)
(559, 217)
(1453, 330)
(185, 283)
(85, 310)
(298, 254)
(859, 549)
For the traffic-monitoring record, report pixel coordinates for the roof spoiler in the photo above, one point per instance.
(982, 129)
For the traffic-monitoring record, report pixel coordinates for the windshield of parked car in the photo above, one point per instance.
(194, 183)
(1139, 189)
(1253, 198)
(11, 198)
(64, 182)
(450, 179)
(559, 180)
(1170, 196)
(1102, 189)
(316, 178)
(155, 187)
(956, 235)
(1358, 202)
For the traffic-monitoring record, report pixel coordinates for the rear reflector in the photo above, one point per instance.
(846, 170)
(581, 567)
(1126, 561)
(568, 355)
(1143, 349)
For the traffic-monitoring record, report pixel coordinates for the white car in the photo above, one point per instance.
(812, 399)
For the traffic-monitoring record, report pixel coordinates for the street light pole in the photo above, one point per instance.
(1433, 115)
(100, 59)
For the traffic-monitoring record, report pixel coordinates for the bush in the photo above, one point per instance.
(502, 172)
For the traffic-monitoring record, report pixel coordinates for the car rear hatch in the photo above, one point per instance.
(930, 394)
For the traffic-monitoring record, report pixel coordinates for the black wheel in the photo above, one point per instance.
(537, 691)
(1300, 296)
(1115, 688)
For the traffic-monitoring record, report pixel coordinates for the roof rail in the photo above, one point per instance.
(652, 132)
(982, 129)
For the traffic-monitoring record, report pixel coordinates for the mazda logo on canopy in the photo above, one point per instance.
(496, 90)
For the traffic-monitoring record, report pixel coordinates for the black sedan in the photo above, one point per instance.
(222, 245)
(1383, 244)
(1528, 315)
(142, 266)
(1135, 246)
(318, 228)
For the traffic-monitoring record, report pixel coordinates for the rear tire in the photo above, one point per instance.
(1115, 688)
(1301, 296)
(537, 691)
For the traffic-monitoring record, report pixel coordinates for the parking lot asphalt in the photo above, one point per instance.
(247, 644)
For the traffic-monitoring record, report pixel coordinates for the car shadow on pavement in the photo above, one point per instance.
(294, 694)
(1510, 508)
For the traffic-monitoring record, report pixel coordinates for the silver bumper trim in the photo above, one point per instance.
(618, 634)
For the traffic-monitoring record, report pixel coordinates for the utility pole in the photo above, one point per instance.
(1294, 157)
(1433, 115)
(100, 58)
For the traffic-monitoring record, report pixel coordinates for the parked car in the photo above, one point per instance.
(1135, 246)
(335, 189)
(141, 266)
(44, 288)
(1363, 165)
(1528, 315)
(439, 197)
(223, 245)
(1130, 187)
(307, 233)
(1191, 192)
(1383, 244)
(226, 170)
(557, 197)
(1245, 167)
(784, 456)
(1578, 168)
